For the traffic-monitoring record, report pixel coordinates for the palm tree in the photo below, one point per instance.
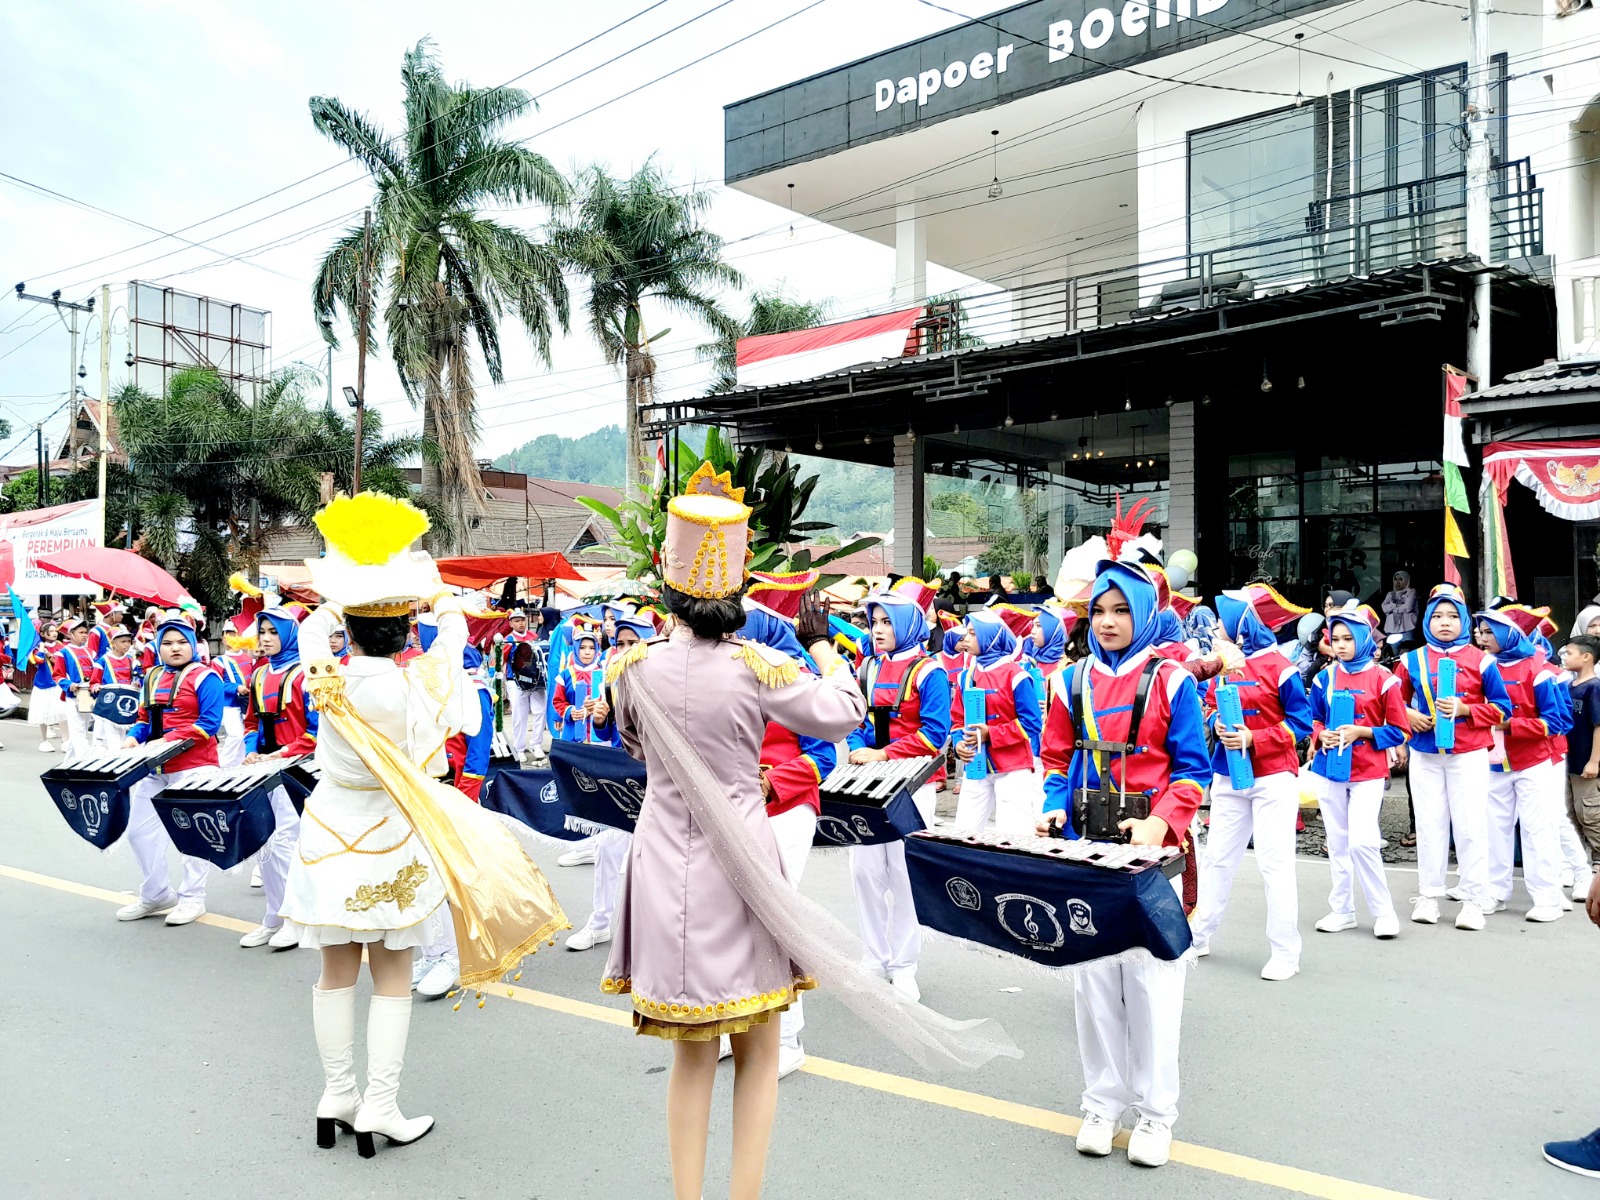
(772, 310)
(444, 274)
(640, 239)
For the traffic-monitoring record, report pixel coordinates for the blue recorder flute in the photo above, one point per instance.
(975, 707)
(1229, 707)
(1444, 728)
(1341, 712)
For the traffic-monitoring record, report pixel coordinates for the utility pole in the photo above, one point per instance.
(105, 406)
(39, 469)
(361, 344)
(1479, 117)
(55, 301)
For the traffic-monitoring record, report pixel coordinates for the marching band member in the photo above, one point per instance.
(117, 667)
(236, 665)
(525, 705)
(1022, 621)
(900, 678)
(339, 644)
(1350, 808)
(610, 845)
(571, 692)
(75, 673)
(1450, 789)
(1048, 641)
(1277, 715)
(1130, 1009)
(793, 765)
(1008, 738)
(278, 723)
(182, 702)
(44, 702)
(1528, 787)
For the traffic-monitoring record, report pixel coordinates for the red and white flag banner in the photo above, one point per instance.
(774, 358)
(1565, 476)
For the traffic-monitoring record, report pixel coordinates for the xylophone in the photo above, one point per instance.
(500, 747)
(866, 804)
(1054, 902)
(301, 778)
(222, 814)
(91, 790)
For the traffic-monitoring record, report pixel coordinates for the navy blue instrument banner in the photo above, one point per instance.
(600, 784)
(842, 824)
(117, 703)
(222, 829)
(97, 810)
(533, 798)
(1049, 912)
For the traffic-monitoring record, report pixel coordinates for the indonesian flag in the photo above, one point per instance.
(775, 358)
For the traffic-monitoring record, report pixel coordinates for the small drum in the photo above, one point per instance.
(85, 699)
(527, 667)
(117, 703)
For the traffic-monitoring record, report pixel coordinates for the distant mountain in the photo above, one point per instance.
(593, 458)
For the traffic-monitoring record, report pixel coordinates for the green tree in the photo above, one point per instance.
(1004, 555)
(445, 275)
(772, 310)
(21, 493)
(966, 514)
(636, 240)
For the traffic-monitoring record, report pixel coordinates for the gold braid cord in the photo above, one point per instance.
(500, 902)
(776, 672)
(633, 654)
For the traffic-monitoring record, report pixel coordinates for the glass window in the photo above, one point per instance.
(1410, 487)
(1253, 179)
(1264, 551)
(1341, 486)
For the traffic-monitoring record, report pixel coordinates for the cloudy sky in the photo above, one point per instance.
(191, 115)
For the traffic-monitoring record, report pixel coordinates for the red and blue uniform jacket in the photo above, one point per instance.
(1276, 712)
(1541, 714)
(236, 669)
(77, 665)
(1170, 765)
(794, 767)
(121, 669)
(42, 658)
(1014, 714)
(1479, 685)
(469, 756)
(278, 716)
(568, 696)
(916, 691)
(1379, 706)
(99, 641)
(182, 704)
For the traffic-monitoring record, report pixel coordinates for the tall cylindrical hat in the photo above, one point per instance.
(708, 536)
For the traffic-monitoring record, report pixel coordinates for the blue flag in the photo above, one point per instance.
(27, 635)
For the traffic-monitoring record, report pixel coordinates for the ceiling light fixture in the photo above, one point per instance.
(1299, 61)
(1266, 384)
(995, 188)
(791, 212)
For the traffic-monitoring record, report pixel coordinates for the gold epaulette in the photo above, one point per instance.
(773, 668)
(633, 654)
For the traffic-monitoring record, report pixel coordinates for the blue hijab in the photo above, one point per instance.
(1169, 628)
(1239, 621)
(910, 623)
(1055, 638)
(642, 628)
(1462, 638)
(472, 658)
(1140, 594)
(763, 627)
(1514, 644)
(951, 637)
(288, 636)
(996, 642)
(1366, 646)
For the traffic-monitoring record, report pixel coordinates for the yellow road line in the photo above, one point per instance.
(1220, 1162)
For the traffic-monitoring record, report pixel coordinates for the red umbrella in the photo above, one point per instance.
(119, 571)
(481, 570)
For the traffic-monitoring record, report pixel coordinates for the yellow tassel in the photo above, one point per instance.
(771, 674)
(456, 1007)
(517, 978)
(370, 528)
(511, 992)
(238, 583)
(449, 995)
(633, 654)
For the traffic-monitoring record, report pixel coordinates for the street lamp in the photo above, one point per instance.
(350, 397)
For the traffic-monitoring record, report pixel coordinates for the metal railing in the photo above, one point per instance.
(1353, 234)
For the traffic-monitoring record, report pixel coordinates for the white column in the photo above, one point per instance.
(909, 520)
(1057, 544)
(1180, 531)
(910, 255)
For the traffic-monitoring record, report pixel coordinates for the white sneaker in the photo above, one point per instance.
(1202, 949)
(441, 978)
(1566, 905)
(1279, 969)
(1096, 1135)
(1150, 1144)
(588, 938)
(1541, 913)
(1455, 894)
(790, 1059)
(420, 967)
(259, 936)
(1568, 878)
(1580, 886)
(1425, 910)
(187, 912)
(140, 909)
(1386, 927)
(1336, 923)
(285, 937)
(1470, 917)
(255, 876)
(47, 748)
(905, 982)
(1493, 907)
(581, 857)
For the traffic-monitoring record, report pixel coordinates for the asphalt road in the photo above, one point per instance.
(141, 1061)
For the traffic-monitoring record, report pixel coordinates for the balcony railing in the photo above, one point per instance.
(1354, 234)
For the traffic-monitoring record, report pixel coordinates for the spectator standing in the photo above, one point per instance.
(1583, 745)
(1400, 610)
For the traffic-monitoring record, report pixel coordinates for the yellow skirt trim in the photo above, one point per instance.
(703, 1022)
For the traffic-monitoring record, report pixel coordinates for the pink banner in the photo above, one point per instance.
(1565, 476)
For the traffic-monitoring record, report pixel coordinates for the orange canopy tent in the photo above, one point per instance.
(483, 570)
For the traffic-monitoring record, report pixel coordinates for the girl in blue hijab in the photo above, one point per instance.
(993, 642)
(1239, 621)
(288, 631)
(1050, 641)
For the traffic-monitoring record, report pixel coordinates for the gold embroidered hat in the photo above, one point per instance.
(370, 569)
(708, 537)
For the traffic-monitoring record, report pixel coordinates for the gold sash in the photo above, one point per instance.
(500, 901)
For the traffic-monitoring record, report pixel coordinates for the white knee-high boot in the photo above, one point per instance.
(333, 1018)
(388, 1024)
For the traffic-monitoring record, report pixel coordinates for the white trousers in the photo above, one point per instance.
(150, 842)
(111, 737)
(444, 944)
(794, 831)
(1015, 799)
(884, 907)
(1129, 1019)
(610, 856)
(1450, 795)
(527, 717)
(79, 726)
(277, 854)
(1533, 798)
(1350, 819)
(230, 738)
(1265, 812)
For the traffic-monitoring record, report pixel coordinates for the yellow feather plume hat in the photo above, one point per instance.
(370, 569)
